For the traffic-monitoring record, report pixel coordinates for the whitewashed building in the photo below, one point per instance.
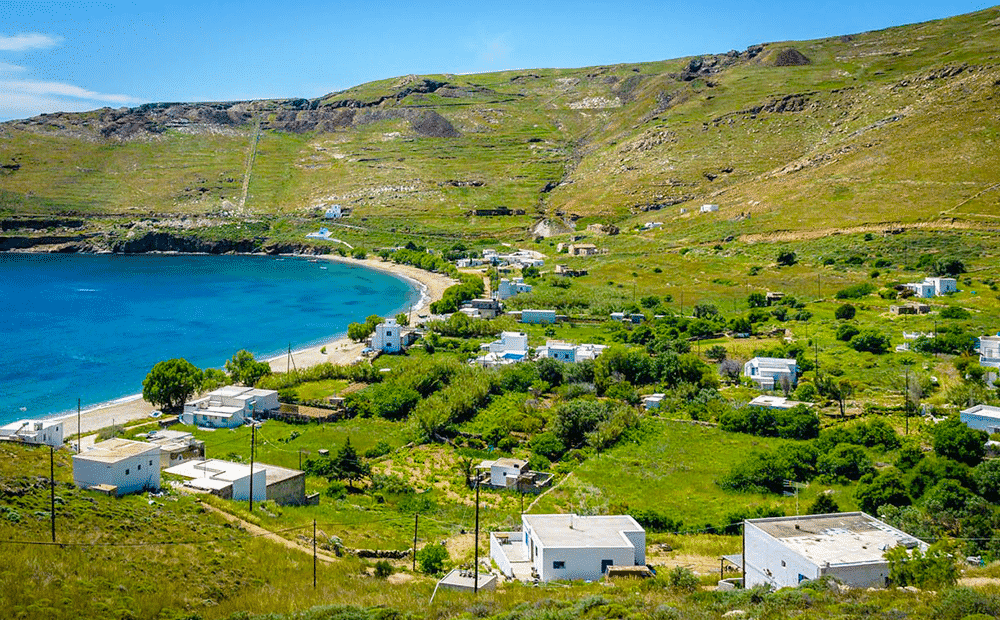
(176, 446)
(709, 208)
(226, 479)
(229, 407)
(982, 417)
(39, 432)
(538, 317)
(989, 356)
(784, 551)
(570, 353)
(653, 401)
(388, 337)
(508, 288)
(510, 347)
(568, 546)
(333, 212)
(933, 287)
(767, 372)
(118, 466)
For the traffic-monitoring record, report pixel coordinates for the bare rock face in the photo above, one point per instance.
(790, 57)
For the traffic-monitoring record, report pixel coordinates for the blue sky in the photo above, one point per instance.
(74, 56)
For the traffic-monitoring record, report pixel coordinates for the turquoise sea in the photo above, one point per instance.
(91, 326)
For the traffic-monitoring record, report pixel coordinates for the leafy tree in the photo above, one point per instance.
(845, 461)
(573, 420)
(403, 319)
(932, 469)
(730, 370)
(432, 559)
(243, 368)
(845, 312)
(716, 353)
(357, 331)
(213, 378)
(799, 422)
(756, 300)
(786, 258)
(876, 490)
(871, 341)
(758, 473)
(846, 331)
(171, 383)
(550, 371)
(935, 570)
(955, 312)
(948, 267)
(824, 504)
(987, 478)
(548, 445)
(954, 440)
(909, 455)
(347, 465)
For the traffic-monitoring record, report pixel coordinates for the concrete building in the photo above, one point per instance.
(223, 478)
(388, 337)
(285, 486)
(509, 348)
(333, 212)
(784, 551)
(911, 307)
(507, 473)
(536, 317)
(464, 580)
(118, 466)
(653, 401)
(229, 407)
(176, 447)
(38, 432)
(508, 288)
(982, 417)
(709, 208)
(989, 356)
(482, 308)
(582, 249)
(570, 353)
(635, 317)
(932, 287)
(767, 372)
(568, 546)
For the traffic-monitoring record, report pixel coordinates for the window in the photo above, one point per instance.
(139, 468)
(782, 563)
(558, 564)
(126, 472)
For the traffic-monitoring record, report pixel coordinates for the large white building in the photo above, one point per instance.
(784, 551)
(510, 347)
(223, 478)
(570, 353)
(982, 417)
(229, 407)
(767, 372)
(388, 337)
(118, 466)
(989, 356)
(509, 288)
(933, 287)
(40, 432)
(568, 546)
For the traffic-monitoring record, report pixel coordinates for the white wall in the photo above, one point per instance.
(771, 563)
(133, 474)
(581, 563)
(498, 555)
(241, 487)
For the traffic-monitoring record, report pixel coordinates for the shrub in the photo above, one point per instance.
(786, 258)
(845, 312)
(936, 569)
(960, 603)
(824, 504)
(856, 291)
(876, 490)
(682, 579)
(955, 312)
(548, 445)
(845, 461)
(846, 331)
(379, 449)
(432, 559)
(383, 569)
(870, 341)
(759, 472)
(954, 440)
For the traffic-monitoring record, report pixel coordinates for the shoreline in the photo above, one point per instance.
(340, 349)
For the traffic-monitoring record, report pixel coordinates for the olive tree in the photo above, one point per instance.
(170, 383)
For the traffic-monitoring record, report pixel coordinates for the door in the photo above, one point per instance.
(605, 564)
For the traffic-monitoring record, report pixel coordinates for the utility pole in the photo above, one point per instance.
(416, 519)
(906, 401)
(476, 582)
(52, 490)
(79, 428)
(253, 442)
(314, 554)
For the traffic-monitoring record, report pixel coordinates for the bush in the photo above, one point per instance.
(655, 521)
(548, 445)
(846, 331)
(786, 258)
(432, 559)
(760, 472)
(573, 420)
(876, 490)
(682, 579)
(383, 569)
(824, 504)
(845, 312)
(935, 570)
(379, 449)
(954, 440)
(960, 603)
(856, 291)
(870, 341)
(955, 312)
(845, 461)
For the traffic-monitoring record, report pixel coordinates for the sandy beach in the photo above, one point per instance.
(338, 350)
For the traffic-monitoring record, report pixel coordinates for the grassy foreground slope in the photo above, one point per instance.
(890, 127)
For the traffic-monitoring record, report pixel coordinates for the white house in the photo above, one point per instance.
(388, 337)
(40, 432)
(333, 212)
(507, 473)
(982, 417)
(709, 208)
(223, 478)
(538, 316)
(989, 356)
(653, 401)
(508, 288)
(784, 551)
(932, 287)
(568, 546)
(176, 446)
(118, 465)
(229, 407)
(767, 372)
(570, 353)
(510, 347)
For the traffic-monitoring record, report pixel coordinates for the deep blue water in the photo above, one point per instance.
(91, 326)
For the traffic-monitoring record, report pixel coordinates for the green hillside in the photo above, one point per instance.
(890, 127)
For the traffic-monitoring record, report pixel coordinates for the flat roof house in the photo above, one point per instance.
(226, 479)
(118, 465)
(176, 446)
(568, 546)
(989, 356)
(508, 473)
(509, 288)
(38, 432)
(982, 417)
(538, 316)
(767, 372)
(570, 353)
(388, 337)
(510, 347)
(784, 551)
(229, 407)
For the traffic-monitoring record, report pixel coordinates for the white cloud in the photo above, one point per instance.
(27, 41)
(25, 98)
(9, 68)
